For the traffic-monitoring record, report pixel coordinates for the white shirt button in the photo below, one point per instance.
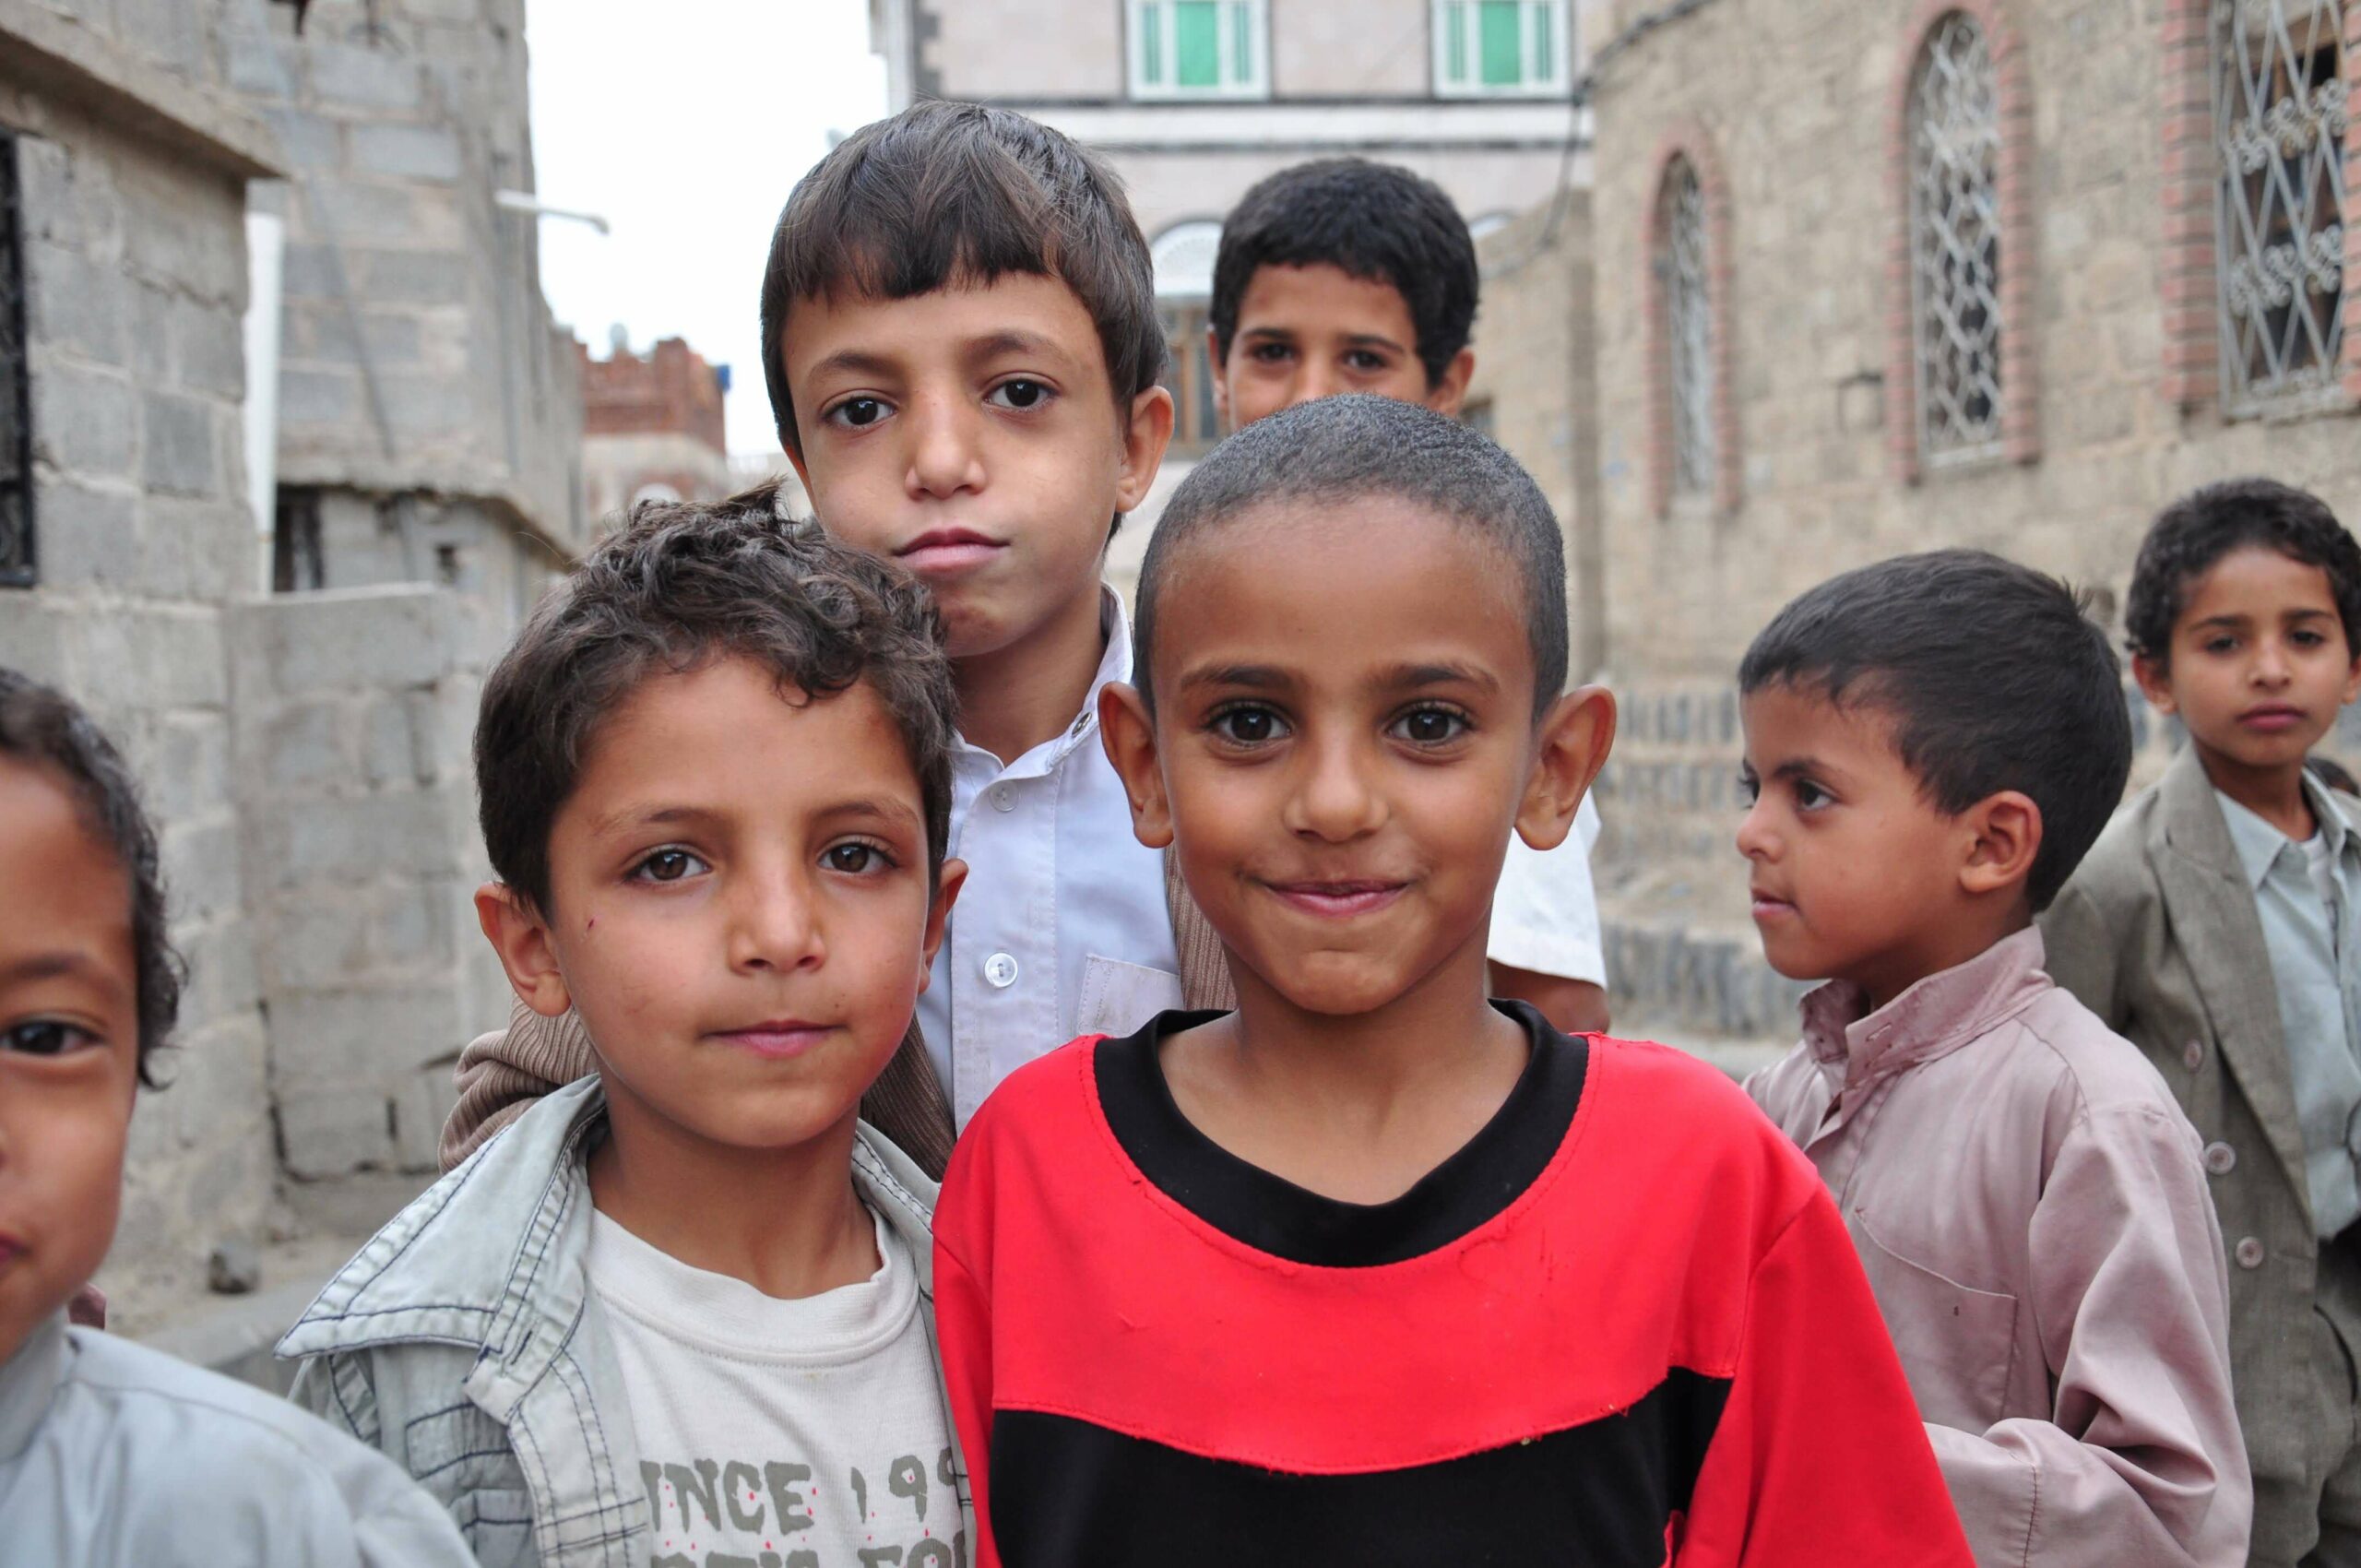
(1000, 970)
(2249, 1253)
(2221, 1158)
(2192, 1056)
(1004, 798)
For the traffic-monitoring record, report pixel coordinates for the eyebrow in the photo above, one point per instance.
(857, 362)
(1011, 341)
(890, 810)
(650, 816)
(1255, 677)
(53, 966)
(1415, 675)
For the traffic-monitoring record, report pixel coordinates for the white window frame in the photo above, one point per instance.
(1253, 82)
(1462, 16)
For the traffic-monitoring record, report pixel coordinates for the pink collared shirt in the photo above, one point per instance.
(2030, 1207)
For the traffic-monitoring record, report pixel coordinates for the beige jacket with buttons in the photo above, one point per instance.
(2157, 932)
(2030, 1210)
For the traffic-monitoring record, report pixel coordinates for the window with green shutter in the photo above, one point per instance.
(1500, 48)
(1198, 49)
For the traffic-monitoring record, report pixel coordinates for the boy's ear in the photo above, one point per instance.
(2156, 684)
(1221, 379)
(1129, 735)
(2353, 681)
(1570, 747)
(1449, 389)
(947, 883)
(1147, 431)
(522, 939)
(2007, 829)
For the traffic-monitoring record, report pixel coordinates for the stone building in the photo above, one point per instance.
(1195, 101)
(1976, 272)
(304, 751)
(651, 427)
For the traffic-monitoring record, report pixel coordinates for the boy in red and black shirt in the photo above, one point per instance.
(1374, 1270)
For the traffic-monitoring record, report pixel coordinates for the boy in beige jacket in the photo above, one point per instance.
(1932, 743)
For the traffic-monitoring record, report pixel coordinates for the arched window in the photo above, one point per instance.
(1687, 281)
(1954, 125)
(2279, 123)
(1183, 255)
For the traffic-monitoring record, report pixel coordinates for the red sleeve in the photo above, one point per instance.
(963, 1319)
(1819, 1457)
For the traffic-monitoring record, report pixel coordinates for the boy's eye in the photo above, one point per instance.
(2303, 637)
(1363, 360)
(856, 859)
(1431, 726)
(1810, 796)
(1749, 787)
(668, 866)
(1247, 726)
(858, 413)
(1019, 394)
(1269, 354)
(45, 1037)
(2219, 645)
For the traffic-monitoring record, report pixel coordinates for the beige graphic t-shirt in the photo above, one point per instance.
(780, 1434)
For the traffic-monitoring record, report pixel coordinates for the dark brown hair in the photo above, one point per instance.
(2190, 538)
(46, 730)
(944, 193)
(681, 584)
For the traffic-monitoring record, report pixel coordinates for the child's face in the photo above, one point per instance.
(2258, 664)
(1342, 768)
(972, 435)
(1854, 873)
(69, 1048)
(738, 908)
(1307, 332)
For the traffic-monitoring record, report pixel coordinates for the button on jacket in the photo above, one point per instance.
(2031, 1209)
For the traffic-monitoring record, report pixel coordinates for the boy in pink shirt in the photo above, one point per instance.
(1931, 746)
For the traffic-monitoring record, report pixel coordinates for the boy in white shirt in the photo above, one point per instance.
(682, 1310)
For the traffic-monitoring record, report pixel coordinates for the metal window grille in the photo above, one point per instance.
(17, 561)
(2279, 119)
(1955, 242)
(1685, 267)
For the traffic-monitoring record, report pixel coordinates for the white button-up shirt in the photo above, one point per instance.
(1062, 929)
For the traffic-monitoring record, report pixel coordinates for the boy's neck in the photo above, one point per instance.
(1961, 938)
(1028, 691)
(1356, 1107)
(2275, 793)
(785, 1220)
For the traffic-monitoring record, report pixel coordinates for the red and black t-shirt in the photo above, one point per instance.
(1622, 1326)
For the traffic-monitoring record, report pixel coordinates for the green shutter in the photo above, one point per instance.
(1241, 38)
(1499, 26)
(1455, 40)
(1545, 47)
(1196, 43)
(1152, 43)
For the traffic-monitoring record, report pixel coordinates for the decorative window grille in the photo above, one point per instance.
(2279, 123)
(16, 387)
(1500, 48)
(1684, 268)
(1955, 242)
(1198, 49)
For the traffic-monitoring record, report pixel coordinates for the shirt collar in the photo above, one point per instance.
(29, 1385)
(1114, 664)
(2259, 845)
(1935, 1017)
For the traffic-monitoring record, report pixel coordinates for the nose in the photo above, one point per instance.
(1335, 799)
(1754, 840)
(945, 455)
(773, 924)
(2271, 667)
(1316, 379)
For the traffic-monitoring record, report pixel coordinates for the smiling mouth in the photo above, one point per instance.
(1338, 900)
(777, 1039)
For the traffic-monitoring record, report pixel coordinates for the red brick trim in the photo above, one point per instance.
(2020, 369)
(1688, 139)
(2189, 263)
(2351, 352)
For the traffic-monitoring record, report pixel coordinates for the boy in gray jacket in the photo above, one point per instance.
(681, 1309)
(111, 1453)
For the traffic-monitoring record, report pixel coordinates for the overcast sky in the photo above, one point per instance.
(684, 124)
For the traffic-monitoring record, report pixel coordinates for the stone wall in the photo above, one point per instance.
(135, 263)
(353, 713)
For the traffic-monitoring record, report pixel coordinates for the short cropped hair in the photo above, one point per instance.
(1994, 676)
(942, 194)
(1358, 446)
(2193, 533)
(1373, 221)
(43, 729)
(679, 586)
